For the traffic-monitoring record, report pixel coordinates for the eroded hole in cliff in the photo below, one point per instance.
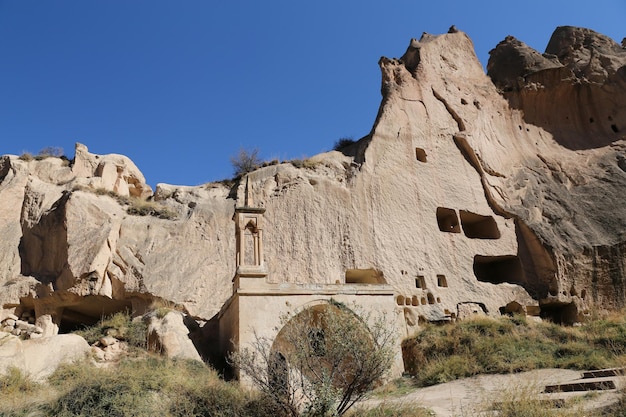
(614, 128)
(477, 226)
(560, 313)
(498, 269)
(447, 220)
(365, 276)
(88, 311)
(431, 298)
(442, 281)
(420, 154)
(420, 282)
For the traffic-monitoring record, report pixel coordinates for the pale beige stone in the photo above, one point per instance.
(468, 191)
(40, 357)
(169, 336)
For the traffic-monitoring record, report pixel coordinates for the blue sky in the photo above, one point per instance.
(180, 86)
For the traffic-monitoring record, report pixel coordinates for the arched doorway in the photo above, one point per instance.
(324, 346)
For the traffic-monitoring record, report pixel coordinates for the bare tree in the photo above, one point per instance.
(245, 161)
(322, 362)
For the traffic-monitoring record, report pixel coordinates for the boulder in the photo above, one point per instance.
(169, 335)
(39, 358)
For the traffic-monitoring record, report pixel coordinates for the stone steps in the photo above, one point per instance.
(598, 380)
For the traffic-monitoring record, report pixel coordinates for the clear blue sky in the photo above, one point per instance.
(180, 86)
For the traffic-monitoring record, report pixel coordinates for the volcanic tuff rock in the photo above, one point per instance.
(472, 193)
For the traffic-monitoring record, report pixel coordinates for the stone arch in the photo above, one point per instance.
(310, 322)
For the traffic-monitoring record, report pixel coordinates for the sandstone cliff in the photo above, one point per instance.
(472, 193)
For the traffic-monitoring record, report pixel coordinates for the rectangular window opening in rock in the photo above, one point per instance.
(498, 269)
(365, 276)
(447, 220)
(420, 282)
(420, 155)
(477, 226)
(442, 281)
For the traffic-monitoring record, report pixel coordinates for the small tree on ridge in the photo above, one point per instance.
(245, 161)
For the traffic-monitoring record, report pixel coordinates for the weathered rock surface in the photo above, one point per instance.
(472, 194)
(170, 336)
(570, 195)
(39, 358)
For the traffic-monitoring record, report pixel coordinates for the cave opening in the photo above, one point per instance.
(364, 276)
(89, 311)
(420, 155)
(447, 220)
(498, 269)
(420, 282)
(560, 313)
(477, 226)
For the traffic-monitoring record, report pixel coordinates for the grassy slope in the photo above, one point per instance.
(146, 385)
(488, 346)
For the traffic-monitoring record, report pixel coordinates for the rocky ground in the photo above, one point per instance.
(473, 396)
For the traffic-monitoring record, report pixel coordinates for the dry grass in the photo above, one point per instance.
(303, 163)
(524, 403)
(147, 387)
(139, 207)
(119, 325)
(134, 206)
(392, 409)
(505, 345)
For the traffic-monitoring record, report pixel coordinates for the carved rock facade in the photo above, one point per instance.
(473, 193)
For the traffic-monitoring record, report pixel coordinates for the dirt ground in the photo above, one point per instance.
(471, 396)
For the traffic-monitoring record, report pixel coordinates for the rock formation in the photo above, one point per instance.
(473, 193)
(568, 195)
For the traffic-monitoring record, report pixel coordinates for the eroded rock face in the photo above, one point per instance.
(569, 195)
(469, 196)
(39, 358)
(574, 90)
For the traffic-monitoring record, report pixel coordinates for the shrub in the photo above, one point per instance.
(26, 156)
(329, 359)
(50, 152)
(119, 325)
(245, 161)
(303, 163)
(343, 143)
(136, 206)
(150, 387)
